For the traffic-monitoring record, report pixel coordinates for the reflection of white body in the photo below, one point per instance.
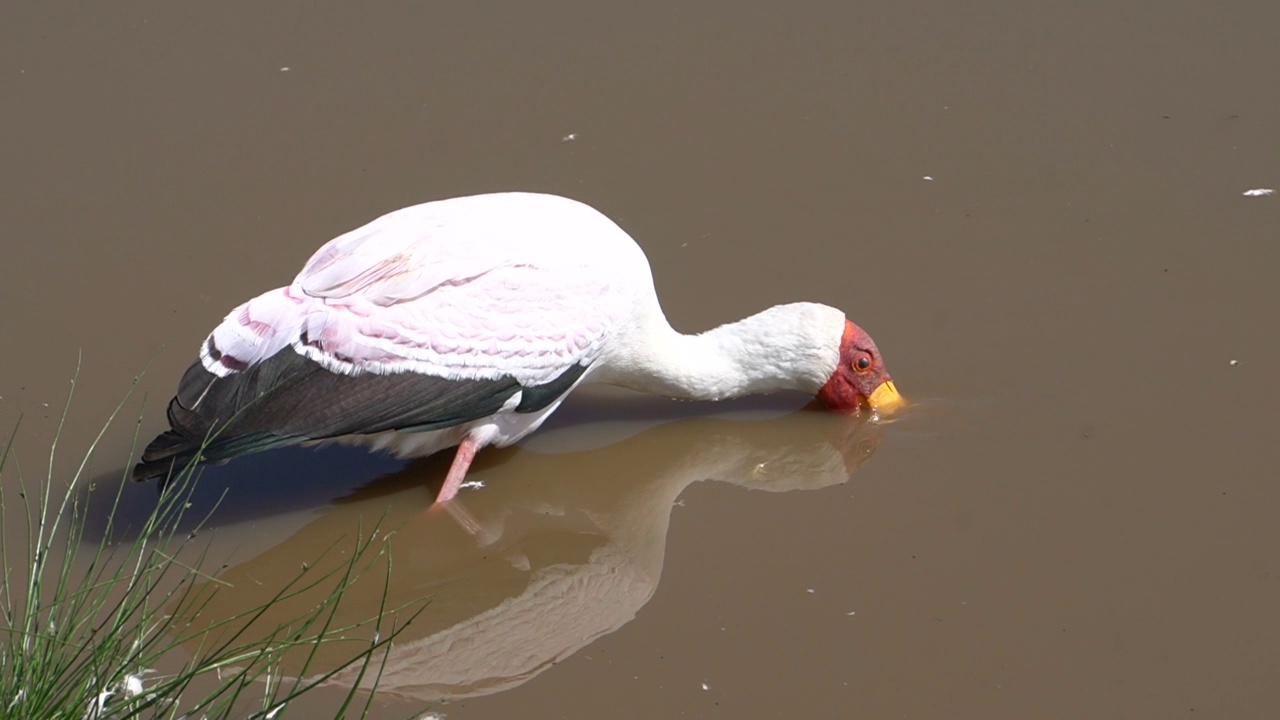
(467, 321)
(567, 605)
(570, 555)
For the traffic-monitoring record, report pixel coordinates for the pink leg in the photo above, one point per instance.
(457, 471)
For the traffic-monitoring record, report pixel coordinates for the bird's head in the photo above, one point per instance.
(860, 377)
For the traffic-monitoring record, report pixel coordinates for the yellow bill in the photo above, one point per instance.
(885, 397)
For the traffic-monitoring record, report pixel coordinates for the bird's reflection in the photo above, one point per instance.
(567, 549)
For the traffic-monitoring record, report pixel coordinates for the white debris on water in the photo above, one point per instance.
(284, 69)
(810, 591)
(851, 613)
(471, 485)
(569, 138)
(132, 685)
(1235, 363)
(928, 178)
(705, 686)
(1258, 192)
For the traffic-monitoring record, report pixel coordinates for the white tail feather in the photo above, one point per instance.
(255, 331)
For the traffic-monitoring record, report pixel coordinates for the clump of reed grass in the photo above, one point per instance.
(94, 630)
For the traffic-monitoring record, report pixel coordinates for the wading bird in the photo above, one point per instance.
(466, 322)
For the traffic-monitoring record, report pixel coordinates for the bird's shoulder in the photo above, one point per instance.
(410, 252)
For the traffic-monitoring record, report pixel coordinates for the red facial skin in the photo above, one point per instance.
(849, 386)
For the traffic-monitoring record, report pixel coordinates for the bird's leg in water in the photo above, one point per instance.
(455, 507)
(468, 522)
(458, 470)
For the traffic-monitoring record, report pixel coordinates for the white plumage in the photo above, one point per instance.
(477, 287)
(467, 321)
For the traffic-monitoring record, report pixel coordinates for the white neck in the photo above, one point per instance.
(787, 347)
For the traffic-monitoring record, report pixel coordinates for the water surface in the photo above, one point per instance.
(1036, 210)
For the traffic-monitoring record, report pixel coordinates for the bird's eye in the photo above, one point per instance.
(862, 363)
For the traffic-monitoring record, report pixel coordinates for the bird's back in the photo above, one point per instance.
(449, 241)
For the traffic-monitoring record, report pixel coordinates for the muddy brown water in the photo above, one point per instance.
(1036, 209)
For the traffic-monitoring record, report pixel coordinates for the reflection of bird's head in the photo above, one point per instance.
(805, 451)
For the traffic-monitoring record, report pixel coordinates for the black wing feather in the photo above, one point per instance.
(288, 399)
(537, 397)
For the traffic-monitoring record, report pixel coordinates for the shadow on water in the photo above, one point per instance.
(283, 481)
(559, 548)
(258, 486)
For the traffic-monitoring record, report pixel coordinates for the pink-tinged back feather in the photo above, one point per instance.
(452, 290)
(517, 322)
